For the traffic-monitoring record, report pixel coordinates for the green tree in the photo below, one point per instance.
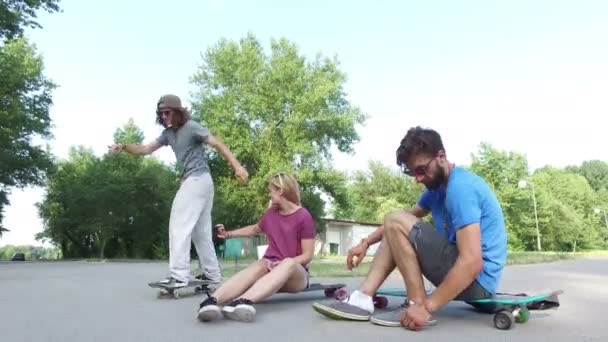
(31, 252)
(114, 206)
(15, 15)
(129, 134)
(595, 171)
(499, 168)
(565, 209)
(372, 194)
(25, 98)
(601, 202)
(69, 204)
(503, 170)
(278, 113)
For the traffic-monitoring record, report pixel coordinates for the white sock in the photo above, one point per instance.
(361, 300)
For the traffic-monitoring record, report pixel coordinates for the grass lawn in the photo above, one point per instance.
(320, 267)
(335, 266)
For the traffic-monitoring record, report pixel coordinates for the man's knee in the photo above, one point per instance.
(399, 221)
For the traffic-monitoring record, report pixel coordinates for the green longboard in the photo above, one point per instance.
(513, 307)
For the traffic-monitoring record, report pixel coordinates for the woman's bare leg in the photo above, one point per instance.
(239, 283)
(287, 276)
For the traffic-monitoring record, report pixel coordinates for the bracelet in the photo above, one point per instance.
(365, 242)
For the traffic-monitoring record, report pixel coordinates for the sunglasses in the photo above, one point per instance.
(419, 170)
(280, 176)
(164, 111)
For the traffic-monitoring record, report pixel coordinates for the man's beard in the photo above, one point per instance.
(437, 180)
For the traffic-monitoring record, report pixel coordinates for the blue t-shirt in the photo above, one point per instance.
(468, 199)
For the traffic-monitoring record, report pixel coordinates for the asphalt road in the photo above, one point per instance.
(81, 301)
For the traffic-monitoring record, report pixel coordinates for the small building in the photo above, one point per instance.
(342, 235)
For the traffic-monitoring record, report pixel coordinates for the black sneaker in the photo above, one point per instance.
(208, 285)
(209, 310)
(208, 282)
(202, 277)
(240, 310)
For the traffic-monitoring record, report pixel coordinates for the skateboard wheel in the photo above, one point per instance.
(380, 302)
(504, 320)
(329, 292)
(523, 315)
(341, 294)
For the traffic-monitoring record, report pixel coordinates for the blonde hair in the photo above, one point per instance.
(288, 184)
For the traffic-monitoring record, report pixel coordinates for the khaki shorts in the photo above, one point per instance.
(436, 256)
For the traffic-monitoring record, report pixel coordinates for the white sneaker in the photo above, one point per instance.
(209, 310)
(171, 282)
(361, 300)
(240, 310)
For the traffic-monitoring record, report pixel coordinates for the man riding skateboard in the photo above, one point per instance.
(462, 253)
(190, 217)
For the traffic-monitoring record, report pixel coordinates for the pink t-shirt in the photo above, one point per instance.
(285, 232)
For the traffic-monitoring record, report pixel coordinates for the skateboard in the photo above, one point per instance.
(381, 302)
(336, 291)
(513, 308)
(199, 286)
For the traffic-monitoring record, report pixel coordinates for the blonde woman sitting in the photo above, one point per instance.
(290, 230)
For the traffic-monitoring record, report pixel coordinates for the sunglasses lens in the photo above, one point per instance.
(419, 171)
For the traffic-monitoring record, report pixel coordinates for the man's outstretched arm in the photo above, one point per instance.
(136, 149)
(227, 154)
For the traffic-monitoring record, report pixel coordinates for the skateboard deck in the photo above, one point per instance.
(199, 286)
(513, 308)
(337, 291)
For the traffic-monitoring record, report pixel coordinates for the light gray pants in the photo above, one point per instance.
(191, 221)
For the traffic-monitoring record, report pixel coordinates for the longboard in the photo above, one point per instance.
(337, 291)
(165, 290)
(514, 308)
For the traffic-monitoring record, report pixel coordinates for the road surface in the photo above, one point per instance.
(86, 301)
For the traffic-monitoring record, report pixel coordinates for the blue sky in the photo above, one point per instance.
(450, 65)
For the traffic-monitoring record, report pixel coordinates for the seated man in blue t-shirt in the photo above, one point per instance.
(462, 254)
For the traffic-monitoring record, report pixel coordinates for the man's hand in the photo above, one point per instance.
(117, 147)
(221, 232)
(357, 252)
(242, 174)
(415, 317)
